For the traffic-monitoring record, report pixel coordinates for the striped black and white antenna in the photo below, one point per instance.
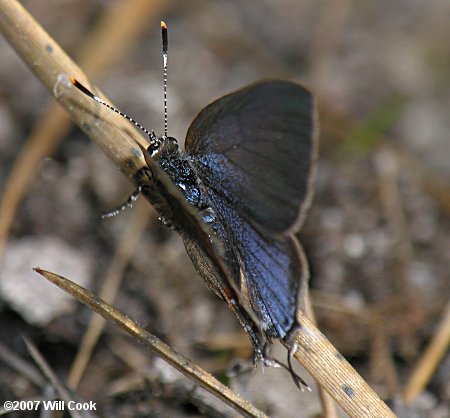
(151, 134)
(165, 46)
(154, 140)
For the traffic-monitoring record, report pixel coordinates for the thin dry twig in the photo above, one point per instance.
(181, 363)
(116, 137)
(430, 359)
(382, 364)
(326, 401)
(330, 370)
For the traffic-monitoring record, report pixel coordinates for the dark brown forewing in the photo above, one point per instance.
(256, 149)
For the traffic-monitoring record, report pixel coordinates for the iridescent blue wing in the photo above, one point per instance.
(256, 149)
(271, 270)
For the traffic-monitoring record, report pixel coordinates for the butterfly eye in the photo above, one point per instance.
(153, 148)
(170, 144)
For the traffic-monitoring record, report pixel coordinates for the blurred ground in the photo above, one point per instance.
(377, 235)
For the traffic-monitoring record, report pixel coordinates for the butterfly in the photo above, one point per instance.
(237, 194)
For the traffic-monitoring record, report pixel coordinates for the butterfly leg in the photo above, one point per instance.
(127, 204)
(292, 349)
(268, 361)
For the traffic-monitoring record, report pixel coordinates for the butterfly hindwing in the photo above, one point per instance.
(271, 270)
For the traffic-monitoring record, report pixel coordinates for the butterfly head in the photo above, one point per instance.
(163, 146)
